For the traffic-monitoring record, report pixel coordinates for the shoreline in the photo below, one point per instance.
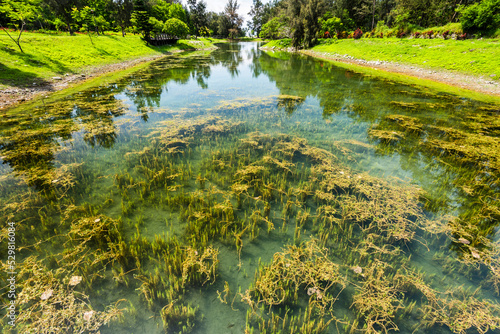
(469, 82)
(15, 96)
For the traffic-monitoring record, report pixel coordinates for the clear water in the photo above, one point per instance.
(159, 156)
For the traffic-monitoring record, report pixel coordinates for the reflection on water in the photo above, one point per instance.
(242, 191)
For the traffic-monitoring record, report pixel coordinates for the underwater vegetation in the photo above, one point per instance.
(245, 216)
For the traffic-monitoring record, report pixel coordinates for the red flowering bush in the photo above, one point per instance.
(357, 34)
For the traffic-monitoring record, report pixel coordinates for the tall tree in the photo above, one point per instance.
(140, 17)
(197, 15)
(257, 14)
(231, 11)
(63, 10)
(121, 12)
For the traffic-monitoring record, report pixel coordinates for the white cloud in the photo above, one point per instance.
(218, 6)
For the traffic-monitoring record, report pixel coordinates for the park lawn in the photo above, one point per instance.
(49, 55)
(473, 56)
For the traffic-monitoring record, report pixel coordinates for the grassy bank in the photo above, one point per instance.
(478, 57)
(47, 56)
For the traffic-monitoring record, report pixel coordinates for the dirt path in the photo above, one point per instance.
(471, 82)
(13, 95)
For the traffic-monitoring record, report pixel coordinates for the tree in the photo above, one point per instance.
(333, 24)
(20, 11)
(311, 12)
(275, 28)
(304, 21)
(83, 17)
(235, 20)
(176, 27)
(483, 17)
(198, 15)
(223, 25)
(257, 14)
(63, 9)
(121, 11)
(140, 18)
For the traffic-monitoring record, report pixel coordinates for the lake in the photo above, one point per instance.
(249, 191)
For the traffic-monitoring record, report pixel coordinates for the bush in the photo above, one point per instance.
(482, 17)
(274, 28)
(342, 34)
(401, 34)
(357, 34)
(175, 27)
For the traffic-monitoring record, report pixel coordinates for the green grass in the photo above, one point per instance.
(48, 55)
(479, 57)
(432, 86)
(279, 43)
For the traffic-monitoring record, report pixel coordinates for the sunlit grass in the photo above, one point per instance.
(480, 57)
(48, 55)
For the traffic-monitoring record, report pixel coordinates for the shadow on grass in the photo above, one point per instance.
(15, 77)
(20, 78)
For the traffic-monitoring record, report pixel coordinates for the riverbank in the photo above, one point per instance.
(54, 62)
(475, 83)
(470, 64)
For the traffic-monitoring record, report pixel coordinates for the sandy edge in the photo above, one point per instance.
(480, 84)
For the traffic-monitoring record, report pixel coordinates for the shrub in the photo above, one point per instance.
(275, 28)
(482, 17)
(357, 34)
(332, 24)
(176, 27)
(446, 33)
(416, 34)
(342, 34)
(401, 34)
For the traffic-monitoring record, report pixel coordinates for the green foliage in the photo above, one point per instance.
(481, 17)
(257, 14)
(140, 19)
(176, 27)
(21, 11)
(156, 24)
(197, 15)
(275, 28)
(331, 25)
(83, 17)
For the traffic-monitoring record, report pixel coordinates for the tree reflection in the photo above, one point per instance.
(449, 145)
